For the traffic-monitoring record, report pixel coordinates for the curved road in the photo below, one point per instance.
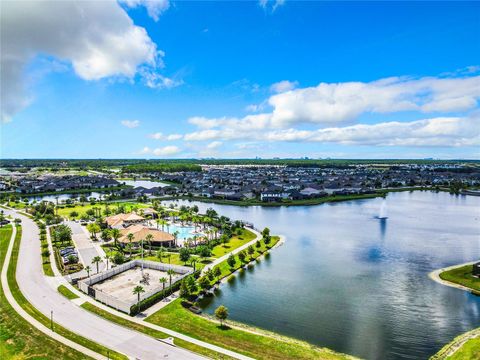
(41, 293)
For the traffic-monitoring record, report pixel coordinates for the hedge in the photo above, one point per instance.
(155, 298)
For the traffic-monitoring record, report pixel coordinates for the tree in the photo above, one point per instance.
(184, 255)
(62, 233)
(118, 258)
(258, 244)
(88, 269)
(105, 235)
(73, 214)
(204, 283)
(149, 240)
(266, 240)
(71, 259)
(217, 272)
(224, 239)
(221, 313)
(108, 257)
(97, 259)
(170, 273)
(137, 290)
(160, 253)
(129, 248)
(266, 232)
(250, 250)
(241, 256)
(231, 261)
(115, 235)
(93, 228)
(210, 275)
(193, 261)
(163, 280)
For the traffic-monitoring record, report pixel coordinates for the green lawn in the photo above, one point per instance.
(30, 309)
(19, 339)
(470, 350)
(62, 289)
(463, 276)
(152, 332)
(227, 270)
(235, 242)
(176, 317)
(81, 210)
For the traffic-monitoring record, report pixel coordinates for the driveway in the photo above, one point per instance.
(87, 249)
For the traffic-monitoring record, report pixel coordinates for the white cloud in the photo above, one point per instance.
(130, 123)
(160, 136)
(270, 4)
(214, 145)
(339, 102)
(283, 86)
(145, 150)
(97, 38)
(166, 151)
(154, 7)
(441, 131)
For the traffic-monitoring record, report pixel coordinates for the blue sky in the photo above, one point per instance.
(240, 79)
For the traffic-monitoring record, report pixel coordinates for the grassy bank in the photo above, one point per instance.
(464, 347)
(235, 242)
(152, 332)
(255, 202)
(462, 276)
(30, 309)
(19, 339)
(259, 346)
(75, 191)
(65, 210)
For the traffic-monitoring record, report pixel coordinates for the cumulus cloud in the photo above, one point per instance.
(335, 103)
(441, 131)
(283, 86)
(154, 7)
(161, 151)
(161, 136)
(97, 38)
(130, 123)
(330, 103)
(166, 151)
(214, 145)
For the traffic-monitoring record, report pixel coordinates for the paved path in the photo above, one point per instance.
(11, 300)
(435, 276)
(41, 293)
(258, 236)
(86, 248)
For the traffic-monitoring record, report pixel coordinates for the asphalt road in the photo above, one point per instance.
(43, 296)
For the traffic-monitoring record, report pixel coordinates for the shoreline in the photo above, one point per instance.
(435, 276)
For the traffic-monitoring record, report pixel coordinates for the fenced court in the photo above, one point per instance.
(114, 287)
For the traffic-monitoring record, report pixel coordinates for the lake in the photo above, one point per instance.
(147, 184)
(348, 281)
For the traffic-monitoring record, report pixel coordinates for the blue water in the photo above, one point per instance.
(184, 232)
(346, 280)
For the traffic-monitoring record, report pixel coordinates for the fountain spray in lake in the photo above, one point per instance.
(383, 211)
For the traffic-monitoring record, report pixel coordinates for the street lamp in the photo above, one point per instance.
(51, 320)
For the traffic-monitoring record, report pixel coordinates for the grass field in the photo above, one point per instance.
(463, 276)
(235, 242)
(65, 211)
(152, 332)
(62, 289)
(176, 317)
(30, 309)
(19, 339)
(226, 269)
(469, 351)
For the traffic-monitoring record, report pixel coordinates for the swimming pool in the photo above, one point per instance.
(184, 232)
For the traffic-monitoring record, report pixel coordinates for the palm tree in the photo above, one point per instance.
(137, 290)
(163, 280)
(96, 260)
(108, 257)
(129, 249)
(160, 252)
(115, 234)
(170, 273)
(130, 238)
(193, 262)
(149, 239)
(88, 269)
